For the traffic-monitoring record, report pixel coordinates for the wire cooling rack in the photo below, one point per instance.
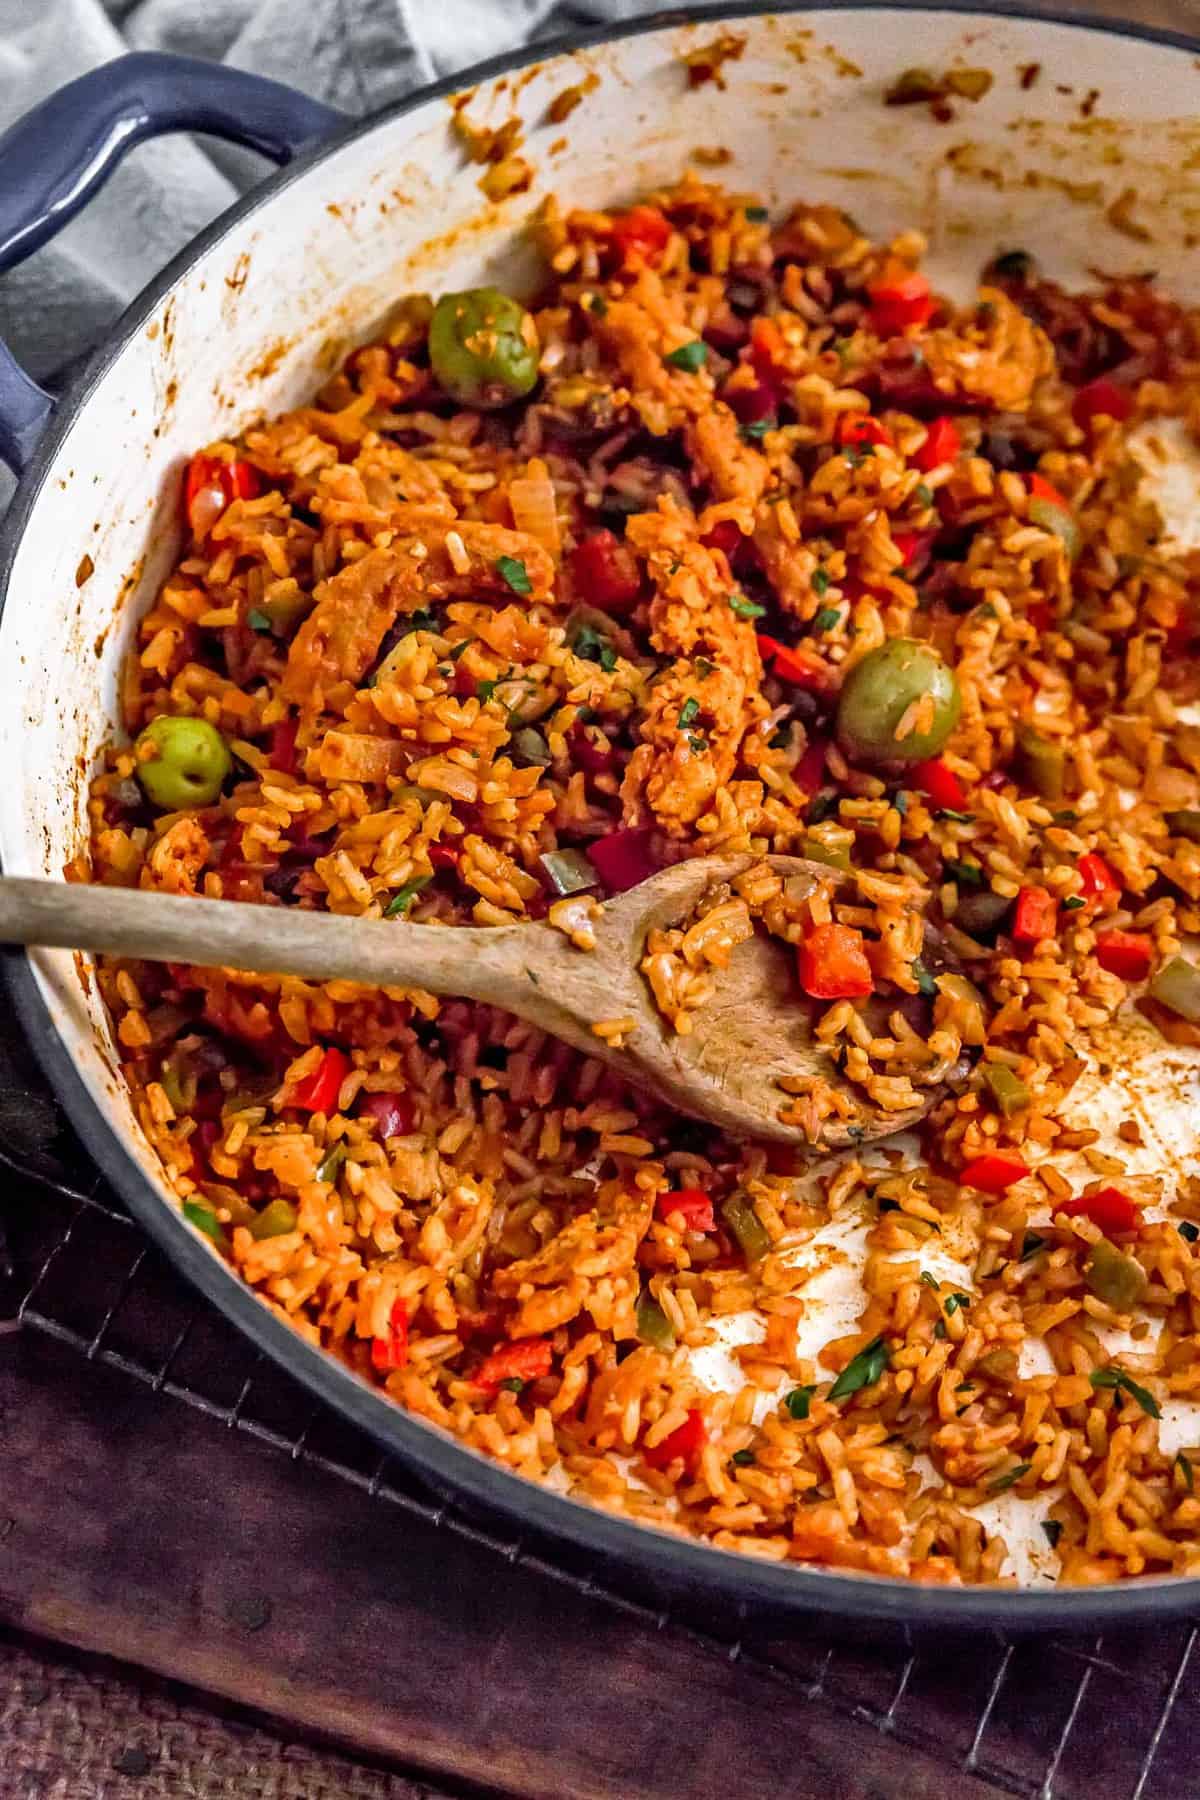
(1116, 1717)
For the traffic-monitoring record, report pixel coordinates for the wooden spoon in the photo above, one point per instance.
(755, 1029)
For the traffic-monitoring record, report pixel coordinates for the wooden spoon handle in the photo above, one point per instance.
(267, 940)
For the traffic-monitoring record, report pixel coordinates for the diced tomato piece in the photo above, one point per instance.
(860, 428)
(1035, 916)
(1110, 1209)
(319, 1092)
(942, 445)
(725, 535)
(810, 770)
(1097, 881)
(1041, 489)
(394, 1114)
(1040, 616)
(795, 664)
(1129, 954)
(391, 1352)
(693, 1204)
(606, 573)
(282, 752)
(833, 963)
(1102, 396)
(900, 298)
(993, 1172)
(527, 1359)
(211, 485)
(443, 856)
(686, 1443)
(751, 402)
(914, 548)
(641, 235)
(941, 784)
(623, 859)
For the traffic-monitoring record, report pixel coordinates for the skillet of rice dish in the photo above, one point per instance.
(740, 539)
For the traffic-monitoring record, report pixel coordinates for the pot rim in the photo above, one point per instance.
(679, 1565)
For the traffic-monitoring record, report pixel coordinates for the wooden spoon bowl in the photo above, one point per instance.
(754, 1031)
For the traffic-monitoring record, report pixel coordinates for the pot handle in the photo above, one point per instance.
(60, 154)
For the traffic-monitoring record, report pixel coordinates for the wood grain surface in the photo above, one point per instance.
(133, 1526)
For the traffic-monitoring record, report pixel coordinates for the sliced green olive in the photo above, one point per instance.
(483, 347)
(569, 871)
(1177, 987)
(1043, 763)
(1113, 1277)
(181, 762)
(880, 718)
(276, 1219)
(653, 1325)
(746, 1226)
(1007, 1090)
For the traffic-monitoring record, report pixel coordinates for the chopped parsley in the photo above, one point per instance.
(757, 429)
(745, 609)
(1184, 1465)
(799, 1401)
(703, 666)
(1073, 902)
(923, 494)
(957, 1303)
(858, 453)
(1189, 1232)
(939, 1330)
(827, 618)
(484, 691)
(959, 818)
(688, 357)
(1031, 1244)
(258, 621)
(513, 572)
(697, 745)
(756, 214)
(1121, 1383)
(964, 873)
(1001, 1483)
(863, 1370)
(591, 647)
(930, 1280)
(900, 802)
(925, 983)
(820, 581)
(688, 712)
(742, 1459)
(513, 1384)
(1053, 1531)
(599, 306)
(404, 896)
(456, 650)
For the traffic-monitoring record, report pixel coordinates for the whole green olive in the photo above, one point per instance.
(876, 720)
(483, 347)
(181, 762)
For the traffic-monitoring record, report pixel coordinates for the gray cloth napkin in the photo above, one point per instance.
(357, 54)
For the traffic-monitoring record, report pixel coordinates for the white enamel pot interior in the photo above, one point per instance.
(1090, 167)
